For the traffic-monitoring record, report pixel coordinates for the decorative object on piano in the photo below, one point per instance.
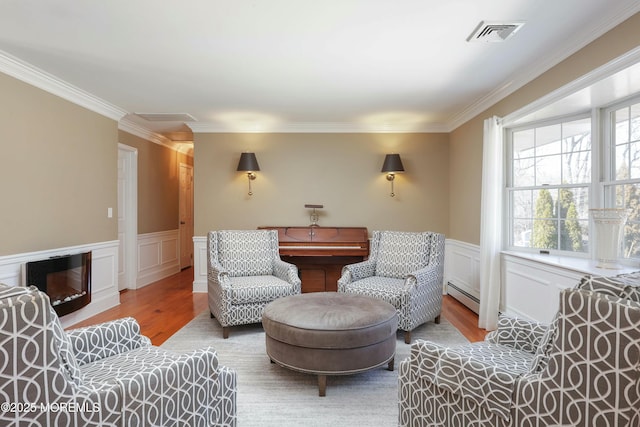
(249, 164)
(314, 216)
(392, 165)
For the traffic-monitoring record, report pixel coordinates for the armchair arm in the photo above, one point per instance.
(357, 271)
(429, 275)
(96, 342)
(465, 374)
(216, 273)
(287, 272)
(520, 334)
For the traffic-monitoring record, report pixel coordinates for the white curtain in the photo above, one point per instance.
(491, 223)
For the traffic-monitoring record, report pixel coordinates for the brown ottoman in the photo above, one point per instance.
(330, 333)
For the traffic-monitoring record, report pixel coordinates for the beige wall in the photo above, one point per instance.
(340, 171)
(58, 173)
(465, 163)
(158, 183)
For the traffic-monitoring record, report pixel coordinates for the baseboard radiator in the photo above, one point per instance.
(464, 297)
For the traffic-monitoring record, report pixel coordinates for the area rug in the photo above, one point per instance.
(269, 395)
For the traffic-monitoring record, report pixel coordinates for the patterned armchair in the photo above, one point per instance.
(245, 273)
(582, 370)
(102, 375)
(406, 270)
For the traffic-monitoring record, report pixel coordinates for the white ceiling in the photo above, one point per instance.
(292, 65)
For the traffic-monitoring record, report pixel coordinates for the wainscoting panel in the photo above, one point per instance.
(461, 272)
(158, 256)
(532, 289)
(104, 275)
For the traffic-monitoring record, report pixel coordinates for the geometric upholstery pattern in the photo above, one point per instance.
(244, 274)
(404, 269)
(590, 376)
(400, 253)
(245, 253)
(102, 375)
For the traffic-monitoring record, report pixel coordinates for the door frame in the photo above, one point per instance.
(131, 217)
(182, 229)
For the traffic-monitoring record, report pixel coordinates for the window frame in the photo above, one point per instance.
(509, 190)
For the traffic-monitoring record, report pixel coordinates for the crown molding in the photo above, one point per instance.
(133, 128)
(34, 76)
(522, 77)
(314, 127)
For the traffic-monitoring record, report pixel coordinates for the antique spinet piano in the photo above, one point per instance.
(321, 252)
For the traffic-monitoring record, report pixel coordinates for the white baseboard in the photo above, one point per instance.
(104, 275)
(158, 256)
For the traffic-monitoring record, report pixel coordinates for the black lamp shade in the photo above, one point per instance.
(392, 163)
(248, 163)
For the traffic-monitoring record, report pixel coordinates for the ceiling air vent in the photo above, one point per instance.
(494, 31)
(167, 117)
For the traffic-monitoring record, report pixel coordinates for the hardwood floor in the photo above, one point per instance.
(163, 307)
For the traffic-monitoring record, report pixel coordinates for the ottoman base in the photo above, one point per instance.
(293, 358)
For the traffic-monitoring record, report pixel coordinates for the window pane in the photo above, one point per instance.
(572, 209)
(621, 128)
(548, 140)
(522, 233)
(523, 204)
(577, 130)
(635, 122)
(576, 167)
(634, 160)
(548, 170)
(574, 235)
(523, 173)
(544, 234)
(622, 161)
(581, 199)
(632, 238)
(523, 143)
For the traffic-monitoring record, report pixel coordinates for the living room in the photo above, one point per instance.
(61, 180)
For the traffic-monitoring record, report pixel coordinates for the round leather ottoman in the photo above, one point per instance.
(330, 333)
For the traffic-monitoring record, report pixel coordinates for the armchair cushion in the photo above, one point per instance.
(245, 252)
(401, 253)
(384, 288)
(255, 289)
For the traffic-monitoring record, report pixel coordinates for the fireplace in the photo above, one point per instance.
(65, 279)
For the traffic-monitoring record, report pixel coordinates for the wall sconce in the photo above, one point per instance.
(392, 165)
(249, 164)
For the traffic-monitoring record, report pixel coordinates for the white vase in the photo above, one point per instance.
(609, 233)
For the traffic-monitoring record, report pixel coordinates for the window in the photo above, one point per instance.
(548, 185)
(622, 171)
